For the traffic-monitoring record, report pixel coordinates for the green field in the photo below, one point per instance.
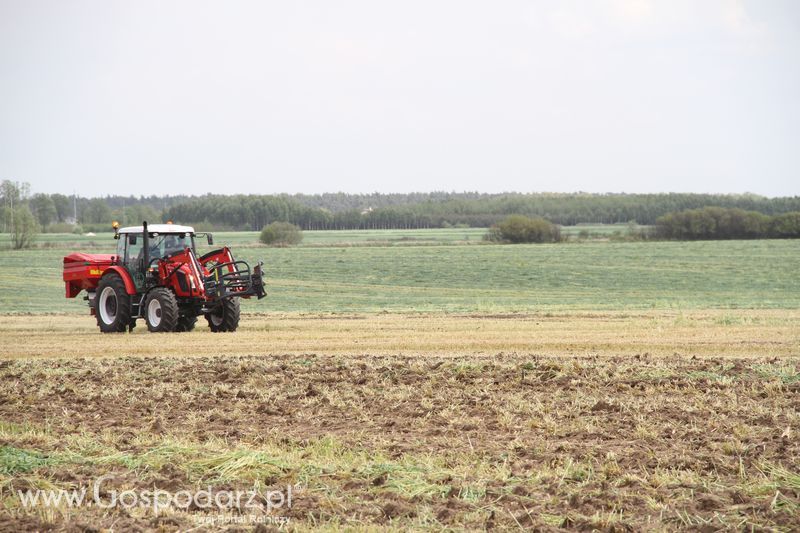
(310, 238)
(328, 238)
(431, 275)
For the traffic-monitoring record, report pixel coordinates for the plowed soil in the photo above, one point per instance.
(512, 440)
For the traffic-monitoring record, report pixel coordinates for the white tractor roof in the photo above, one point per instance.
(158, 228)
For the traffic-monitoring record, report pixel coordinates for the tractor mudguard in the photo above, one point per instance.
(130, 287)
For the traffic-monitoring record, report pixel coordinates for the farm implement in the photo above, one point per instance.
(156, 275)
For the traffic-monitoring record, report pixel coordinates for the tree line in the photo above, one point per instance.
(59, 212)
(710, 223)
(253, 212)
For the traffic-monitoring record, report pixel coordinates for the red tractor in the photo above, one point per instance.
(157, 275)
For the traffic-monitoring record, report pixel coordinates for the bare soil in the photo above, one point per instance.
(500, 440)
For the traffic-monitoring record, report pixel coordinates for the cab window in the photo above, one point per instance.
(164, 245)
(133, 251)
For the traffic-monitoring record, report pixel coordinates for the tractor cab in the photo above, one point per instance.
(163, 241)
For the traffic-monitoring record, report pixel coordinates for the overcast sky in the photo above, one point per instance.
(141, 97)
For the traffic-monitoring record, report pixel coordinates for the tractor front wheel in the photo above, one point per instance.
(225, 317)
(161, 310)
(112, 305)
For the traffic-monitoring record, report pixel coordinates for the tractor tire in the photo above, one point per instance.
(112, 305)
(225, 317)
(161, 310)
(186, 323)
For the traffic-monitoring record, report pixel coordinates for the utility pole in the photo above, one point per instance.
(75, 206)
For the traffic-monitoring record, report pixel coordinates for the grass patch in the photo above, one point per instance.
(15, 461)
(785, 373)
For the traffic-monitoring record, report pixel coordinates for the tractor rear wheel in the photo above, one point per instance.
(225, 317)
(186, 323)
(112, 305)
(161, 310)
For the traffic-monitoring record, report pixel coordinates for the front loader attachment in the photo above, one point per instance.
(234, 279)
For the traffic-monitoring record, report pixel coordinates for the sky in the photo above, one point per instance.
(190, 97)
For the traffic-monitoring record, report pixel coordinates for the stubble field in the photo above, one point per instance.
(670, 403)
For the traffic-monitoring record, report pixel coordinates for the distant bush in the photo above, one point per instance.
(281, 233)
(519, 229)
(711, 223)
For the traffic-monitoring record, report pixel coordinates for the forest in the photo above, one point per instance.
(375, 211)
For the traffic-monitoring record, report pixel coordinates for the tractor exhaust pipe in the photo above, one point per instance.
(146, 244)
